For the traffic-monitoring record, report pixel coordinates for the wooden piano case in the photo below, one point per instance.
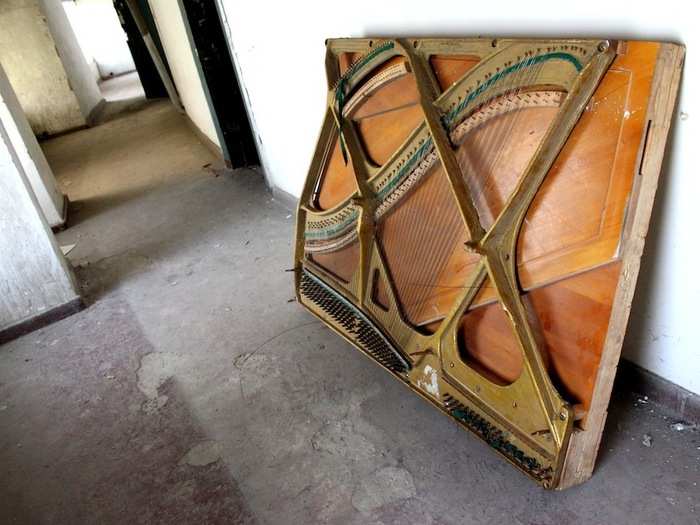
(474, 218)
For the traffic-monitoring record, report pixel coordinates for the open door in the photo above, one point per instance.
(220, 82)
(148, 73)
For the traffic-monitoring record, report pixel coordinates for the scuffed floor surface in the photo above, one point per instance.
(192, 391)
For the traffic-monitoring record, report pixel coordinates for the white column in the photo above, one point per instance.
(36, 169)
(34, 276)
(80, 76)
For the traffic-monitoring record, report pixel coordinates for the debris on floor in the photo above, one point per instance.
(681, 426)
(66, 249)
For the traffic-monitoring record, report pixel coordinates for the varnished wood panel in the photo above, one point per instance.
(418, 239)
(393, 94)
(572, 315)
(385, 118)
(337, 180)
(381, 134)
(449, 69)
(488, 344)
(575, 222)
(341, 263)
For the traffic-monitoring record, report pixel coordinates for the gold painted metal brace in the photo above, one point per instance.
(527, 420)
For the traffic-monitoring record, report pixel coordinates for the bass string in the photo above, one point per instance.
(408, 241)
(436, 232)
(440, 243)
(411, 227)
(442, 234)
(472, 157)
(433, 233)
(494, 143)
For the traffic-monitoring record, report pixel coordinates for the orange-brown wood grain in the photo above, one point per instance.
(340, 263)
(449, 69)
(576, 219)
(383, 120)
(572, 317)
(345, 60)
(337, 180)
(575, 222)
(382, 134)
(487, 343)
(393, 94)
(386, 117)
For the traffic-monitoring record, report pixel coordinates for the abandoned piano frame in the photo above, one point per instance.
(474, 218)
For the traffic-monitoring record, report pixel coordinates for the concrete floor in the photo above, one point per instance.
(191, 390)
(122, 87)
(122, 94)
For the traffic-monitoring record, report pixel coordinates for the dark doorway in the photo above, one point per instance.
(220, 80)
(148, 73)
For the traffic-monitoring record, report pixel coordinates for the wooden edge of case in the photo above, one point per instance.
(584, 444)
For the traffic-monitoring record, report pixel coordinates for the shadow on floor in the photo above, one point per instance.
(106, 448)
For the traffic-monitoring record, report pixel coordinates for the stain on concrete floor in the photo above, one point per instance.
(76, 446)
(191, 390)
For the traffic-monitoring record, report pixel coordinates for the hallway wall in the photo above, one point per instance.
(36, 168)
(34, 275)
(173, 35)
(101, 37)
(28, 54)
(80, 76)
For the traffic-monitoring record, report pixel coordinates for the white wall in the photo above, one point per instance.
(80, 76)
(30, 155)
(173, 36)
(279, 51)
(101, 37)
(28, 54)
(34, 276)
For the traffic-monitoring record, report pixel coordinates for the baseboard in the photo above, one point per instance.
(206, 141)
(39, 321)
(634, 378)
(287, 200)
(44, 136)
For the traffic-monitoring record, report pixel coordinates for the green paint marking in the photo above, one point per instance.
(448, 119)
(405, 169)
(524, 64)
(332, 230)
(366, 59)
(452, 115)
(342, 82)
